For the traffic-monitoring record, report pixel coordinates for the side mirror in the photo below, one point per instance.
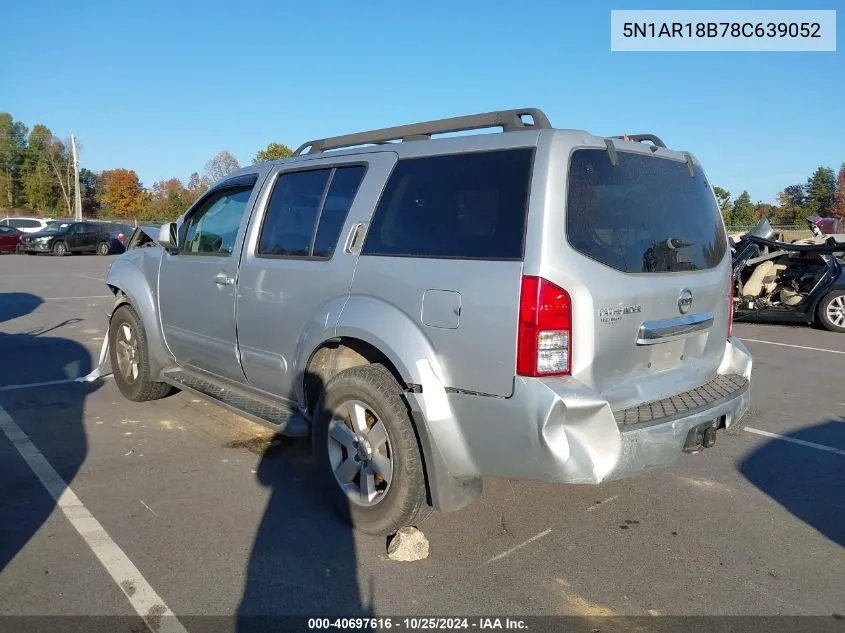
(168, 237)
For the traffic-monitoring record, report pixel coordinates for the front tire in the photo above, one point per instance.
(831, 312)
(367, 452)
(59, 249)
(103, 248)
(129, 357)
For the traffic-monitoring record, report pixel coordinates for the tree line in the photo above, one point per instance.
(37, 174)
(823, 195)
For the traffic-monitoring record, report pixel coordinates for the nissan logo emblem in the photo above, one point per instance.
(685, 300)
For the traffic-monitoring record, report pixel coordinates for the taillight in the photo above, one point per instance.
(731, 306)
(544, 340)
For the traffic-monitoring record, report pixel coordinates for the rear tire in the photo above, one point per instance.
(392, 502)
(59, 249)
(831, 311)
(103, 248)
(129, 358)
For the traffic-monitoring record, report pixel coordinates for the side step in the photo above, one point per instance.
(276, 414)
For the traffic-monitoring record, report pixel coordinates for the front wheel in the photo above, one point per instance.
(129, 357)
(367, 452)
(59, 249)
(103, 248)
(832, 311)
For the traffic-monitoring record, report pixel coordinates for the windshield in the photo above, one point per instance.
(55, 227)
(644, 215)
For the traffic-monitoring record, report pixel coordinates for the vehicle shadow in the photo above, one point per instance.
(303, 560)
(805, 481)
(49, 416)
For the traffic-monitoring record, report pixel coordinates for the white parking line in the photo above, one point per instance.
(812, 349)
(793, 440)
(520, 546)
(69, 298)
(88, 277)
(143, 598)
(46, 383)
(601, 503)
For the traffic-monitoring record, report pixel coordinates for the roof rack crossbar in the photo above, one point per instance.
(639, 138)
(508, 120)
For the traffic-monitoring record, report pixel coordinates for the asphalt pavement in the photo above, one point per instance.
(183, 506)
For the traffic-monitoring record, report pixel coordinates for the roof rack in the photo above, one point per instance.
(508, 120)
(642, 137)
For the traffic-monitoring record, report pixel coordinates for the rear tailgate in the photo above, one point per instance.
(650, 295)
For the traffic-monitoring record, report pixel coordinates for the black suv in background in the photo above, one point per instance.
(60, 238)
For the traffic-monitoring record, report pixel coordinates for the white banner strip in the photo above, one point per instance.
(723, 30)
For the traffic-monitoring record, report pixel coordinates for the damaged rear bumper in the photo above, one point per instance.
(558, 430)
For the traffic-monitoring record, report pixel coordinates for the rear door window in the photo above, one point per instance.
(307, 210)
(461, 206)
(292, 213)
(344, 185)
(644, 215)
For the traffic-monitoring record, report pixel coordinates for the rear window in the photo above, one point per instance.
(462, 206)
(644, 215)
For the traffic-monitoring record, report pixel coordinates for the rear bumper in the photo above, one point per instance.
(558, 430)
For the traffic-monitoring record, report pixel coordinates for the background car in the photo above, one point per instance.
(25, 225)
(60, 238)
(119, 233)
(10, 238)
(828, 226)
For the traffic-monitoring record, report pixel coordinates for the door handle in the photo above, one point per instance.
(354, 234)
(222, 280)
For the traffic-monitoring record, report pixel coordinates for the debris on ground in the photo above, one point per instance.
(408, 545)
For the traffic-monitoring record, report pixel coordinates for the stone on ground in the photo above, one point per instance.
(408, 545)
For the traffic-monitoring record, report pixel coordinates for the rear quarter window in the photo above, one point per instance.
(462, 206)
(644, 215)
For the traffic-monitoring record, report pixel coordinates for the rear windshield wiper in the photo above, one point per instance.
(676, 243)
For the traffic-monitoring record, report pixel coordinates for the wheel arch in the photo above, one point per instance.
(371, 331)
(130, 287)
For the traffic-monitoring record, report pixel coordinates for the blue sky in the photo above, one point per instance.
(160, 87)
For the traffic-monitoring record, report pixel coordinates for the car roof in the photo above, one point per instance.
(420, 139)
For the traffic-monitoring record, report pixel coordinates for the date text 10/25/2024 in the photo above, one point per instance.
(417, 624)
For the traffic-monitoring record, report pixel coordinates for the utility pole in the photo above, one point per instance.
(77, 202)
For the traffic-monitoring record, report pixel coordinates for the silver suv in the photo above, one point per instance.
(539, 303)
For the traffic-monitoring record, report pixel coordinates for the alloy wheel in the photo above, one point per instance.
(360, 453)
(126, 347)
(836, 311)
